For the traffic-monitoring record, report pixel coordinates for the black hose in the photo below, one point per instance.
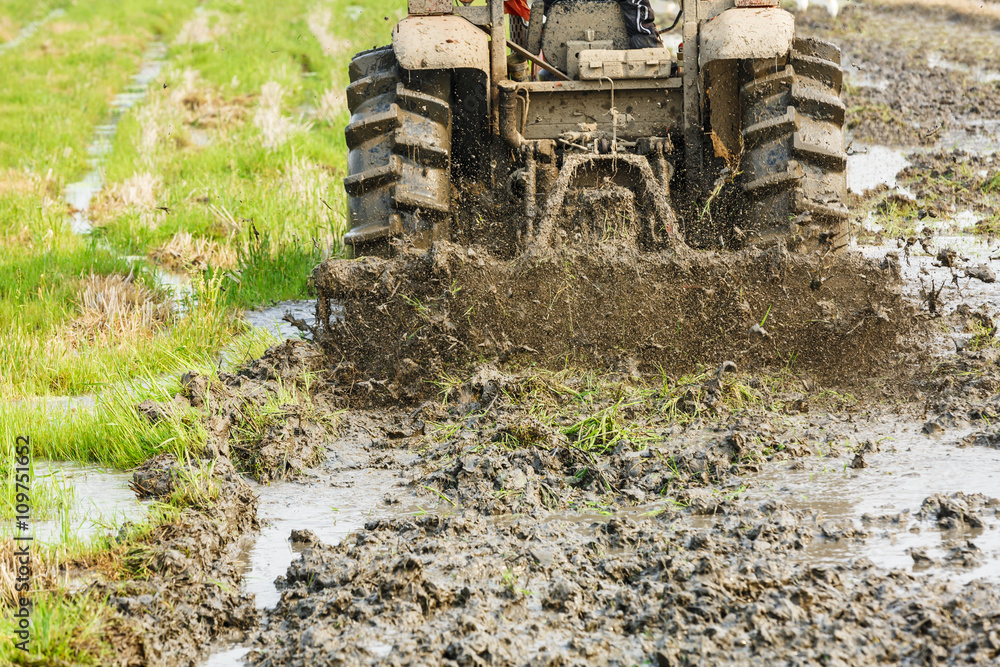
(674, 24)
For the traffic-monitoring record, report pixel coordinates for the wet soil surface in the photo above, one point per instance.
(99, 496)
(758, 458)
(839, 518)
(185, 592)
(915, 77)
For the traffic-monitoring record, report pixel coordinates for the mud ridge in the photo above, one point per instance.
(263, 416)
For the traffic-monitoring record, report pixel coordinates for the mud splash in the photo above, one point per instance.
(947, 275)
(276, 320)
(408, 317)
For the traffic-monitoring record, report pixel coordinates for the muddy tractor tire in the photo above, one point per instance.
(399, 160)
(794, 169)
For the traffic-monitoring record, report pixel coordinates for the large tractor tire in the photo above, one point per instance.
(794, 168)
(399, 164)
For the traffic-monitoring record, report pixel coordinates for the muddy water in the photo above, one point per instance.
(271, 320)
(99, 498)
(910, 467)
(330, 504)
(979, 74)
(977, 136)
(871, 166)
(922, 271)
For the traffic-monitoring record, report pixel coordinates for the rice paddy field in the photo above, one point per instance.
(165, 166)
(187, 480)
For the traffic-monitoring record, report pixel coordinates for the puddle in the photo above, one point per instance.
(964, 220)
(331, 507)
(231, 656)
(979, 136)
(922, 271)
(29, 30)
(871, 166)
(270, 319)
(910, 467)
(980, 74)
(330, 504)
(99, 498)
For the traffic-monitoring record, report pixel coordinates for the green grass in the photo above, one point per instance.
(248, 212)
(38, 290)
(264, 211)
(603, 430)
(992, 183)
(66, 75)
(113, 433)
(265, 273)
(76, 628)
(66, 630)
(228, 177)
(57, 366)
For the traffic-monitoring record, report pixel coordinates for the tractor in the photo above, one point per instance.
(458, 132)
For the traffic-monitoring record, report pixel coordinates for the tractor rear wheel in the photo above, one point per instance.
(794, 169)
(399, 160)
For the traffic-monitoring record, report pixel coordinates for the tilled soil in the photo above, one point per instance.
(914, 76)
(541, 591)
(187, 589)
(583, 426)
(547, 554)
(554, 544)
